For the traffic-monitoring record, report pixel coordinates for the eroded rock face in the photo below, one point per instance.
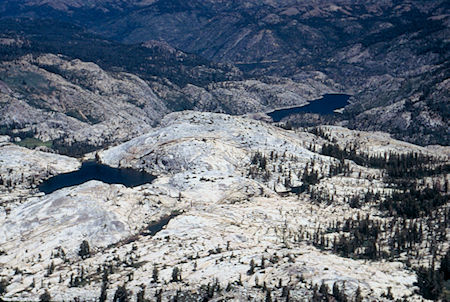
(249, 96)
(76, 102)
(193, 150)
(229, 214)
(100, 213)
(20, 167)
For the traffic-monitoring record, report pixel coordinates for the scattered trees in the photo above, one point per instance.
(429, 282)
(433, 283)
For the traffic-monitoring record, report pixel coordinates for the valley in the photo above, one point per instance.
(245, 150)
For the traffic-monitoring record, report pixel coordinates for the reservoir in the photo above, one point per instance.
(325, 105)
(92, 170)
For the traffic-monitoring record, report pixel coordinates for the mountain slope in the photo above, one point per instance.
(73, 103)
(381, 52)
(77, 89)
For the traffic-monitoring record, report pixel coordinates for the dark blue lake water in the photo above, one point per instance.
(155, 227)
(94, 171)
(325, 105)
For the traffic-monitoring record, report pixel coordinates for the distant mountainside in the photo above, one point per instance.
(275, 36)
(147, 60)
(80, 92)
(385, 53)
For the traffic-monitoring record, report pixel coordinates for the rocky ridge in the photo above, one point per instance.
(77, 102)
(21, 167)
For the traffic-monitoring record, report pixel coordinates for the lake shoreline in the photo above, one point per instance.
(93, 170)
(323, 106)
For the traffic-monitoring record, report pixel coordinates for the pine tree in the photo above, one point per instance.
(158, 295)
(45, 297)
(358, 296)
(155, 273)
(50, 269)
(251, 270)
(336, 291)
(121, 294)
(445, 266)
(84, 251)
(3, 285)
(176, 274)
(140, 296)
(103, 297)
(268, 296)
(323, 289)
